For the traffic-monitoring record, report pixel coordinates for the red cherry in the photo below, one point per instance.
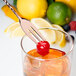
(43, 48)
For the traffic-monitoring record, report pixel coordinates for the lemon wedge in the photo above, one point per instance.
(14, 30)
(49, 35)
(12, 27)
(60, 37)
(18, 32)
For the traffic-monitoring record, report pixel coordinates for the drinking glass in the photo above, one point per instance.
(35, 66)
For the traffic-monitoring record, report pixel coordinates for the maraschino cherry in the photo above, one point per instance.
(43, 48)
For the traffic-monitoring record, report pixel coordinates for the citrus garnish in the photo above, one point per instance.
(14, 30)
(50, 35)
(12, 27)
(60, 37)
(18, 32)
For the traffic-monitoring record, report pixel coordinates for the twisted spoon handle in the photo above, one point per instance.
(9, 5)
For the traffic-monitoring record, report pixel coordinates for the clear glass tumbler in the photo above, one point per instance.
(34, 66)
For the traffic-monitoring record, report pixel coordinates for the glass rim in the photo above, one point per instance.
(71, 49)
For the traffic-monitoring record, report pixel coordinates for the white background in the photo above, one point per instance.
(10, 50)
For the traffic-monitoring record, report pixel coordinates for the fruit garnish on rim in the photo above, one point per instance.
(50, 35)
(60, 37)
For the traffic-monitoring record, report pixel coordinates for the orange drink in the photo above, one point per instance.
(47, 67)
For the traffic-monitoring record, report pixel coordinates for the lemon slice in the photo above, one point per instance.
(14, 30)
(49, 35)
(12, 27)
(60, 37)
(18, 32)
